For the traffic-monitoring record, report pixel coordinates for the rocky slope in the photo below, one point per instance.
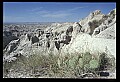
(95, 33)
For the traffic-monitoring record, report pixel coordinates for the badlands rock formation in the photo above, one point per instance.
(96, 29)
(94, 34)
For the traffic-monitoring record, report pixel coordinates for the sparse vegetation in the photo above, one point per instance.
(73, 66)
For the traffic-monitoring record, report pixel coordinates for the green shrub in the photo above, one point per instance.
(87, 57)
(80, 63)
(86, 67)
(94, 64)
(57, 66)
(73, 61)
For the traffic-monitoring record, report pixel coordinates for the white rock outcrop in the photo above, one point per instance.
(95, 33)
(85, 43)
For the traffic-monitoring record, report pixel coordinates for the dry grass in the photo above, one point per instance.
(74, 66)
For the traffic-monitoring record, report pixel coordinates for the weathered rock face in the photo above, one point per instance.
(107, 28)
(11, 45)
(34, 39)
(108, 33)
(92, 21)
(65, 37)
(76, 29)
(85, 43)
(9, 49)
(7, 37)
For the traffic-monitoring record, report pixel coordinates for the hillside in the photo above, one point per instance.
(57, 47)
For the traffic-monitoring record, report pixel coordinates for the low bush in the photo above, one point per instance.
(73, 66)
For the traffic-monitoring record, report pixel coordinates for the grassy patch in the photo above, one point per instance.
(38, 65)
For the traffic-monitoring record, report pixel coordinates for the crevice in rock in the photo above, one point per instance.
(34, 39)
(57, 44)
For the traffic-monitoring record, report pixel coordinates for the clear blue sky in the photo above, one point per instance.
(51, 11)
